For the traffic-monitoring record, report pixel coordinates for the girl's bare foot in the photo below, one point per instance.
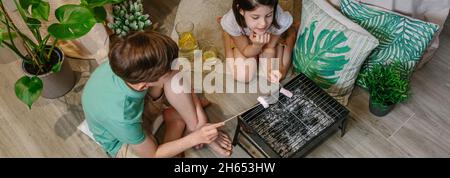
(203, 102)
(181, 155)
(222, 145)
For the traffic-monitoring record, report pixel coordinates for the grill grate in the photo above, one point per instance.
(292, 123)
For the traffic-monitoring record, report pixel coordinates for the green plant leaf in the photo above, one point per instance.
(25, 4)
(33, 23)
(83, 3)
(387, 85)
(1, 15)
(116, 1)
(23, 11)
(320, 59)
(5, 36)
(40, 10)
(100, 3)
(2, 34)
(96, 3)
(29, 89)
(100, 14)
(75, 21)
(56, 68)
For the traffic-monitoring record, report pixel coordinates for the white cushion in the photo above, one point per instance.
(84, 128)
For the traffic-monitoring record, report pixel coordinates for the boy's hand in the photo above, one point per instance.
(260, 40)
(200, 125)
(208, 133)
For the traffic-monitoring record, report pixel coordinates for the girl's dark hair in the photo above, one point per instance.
(250, 5)
(143, 57)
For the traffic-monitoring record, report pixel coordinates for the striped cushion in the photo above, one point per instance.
(402, 39)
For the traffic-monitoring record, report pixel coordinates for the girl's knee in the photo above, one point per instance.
(245, 76)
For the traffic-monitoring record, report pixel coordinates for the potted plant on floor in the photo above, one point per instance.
(46, 71)
(128, 17)
(387, 87)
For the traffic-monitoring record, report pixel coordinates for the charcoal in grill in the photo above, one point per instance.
(290, 127)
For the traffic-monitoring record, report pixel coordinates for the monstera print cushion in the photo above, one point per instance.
(331, 49)
(402, 39)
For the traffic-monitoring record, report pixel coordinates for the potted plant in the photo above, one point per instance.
(128, 17)
(46, 72)
(387, 87)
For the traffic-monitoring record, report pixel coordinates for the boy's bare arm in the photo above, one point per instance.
(149, 148)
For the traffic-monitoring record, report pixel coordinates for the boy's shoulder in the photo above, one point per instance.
(103, 73)
(104, 95)
(102, 69)
(106, 87)
(101, 79)
(101, 86)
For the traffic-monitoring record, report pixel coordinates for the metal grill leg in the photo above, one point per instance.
(343, 127)
(236, 134)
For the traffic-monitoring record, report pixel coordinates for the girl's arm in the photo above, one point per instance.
(273, 41)
(251, 46)
(269, 51)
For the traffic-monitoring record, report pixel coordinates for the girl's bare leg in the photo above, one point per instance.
(222, 145)
(288, 48)
(244, 69)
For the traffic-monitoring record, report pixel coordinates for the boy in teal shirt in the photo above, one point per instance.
(113, 102)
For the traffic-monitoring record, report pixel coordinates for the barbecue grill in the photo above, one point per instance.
(292, 127)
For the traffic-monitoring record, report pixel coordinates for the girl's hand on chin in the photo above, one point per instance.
(260, 40)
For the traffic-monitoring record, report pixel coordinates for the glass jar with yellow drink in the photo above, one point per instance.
(210, 53)
(186, 39)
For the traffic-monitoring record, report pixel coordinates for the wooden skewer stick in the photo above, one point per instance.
(236, 116)
(230, 119)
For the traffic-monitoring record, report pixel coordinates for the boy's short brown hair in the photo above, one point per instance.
(143, 57)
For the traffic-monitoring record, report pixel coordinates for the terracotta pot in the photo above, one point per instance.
(56, 84)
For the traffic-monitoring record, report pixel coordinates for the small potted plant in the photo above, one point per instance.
(129, 17)
(46, 72)
(387, 87)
